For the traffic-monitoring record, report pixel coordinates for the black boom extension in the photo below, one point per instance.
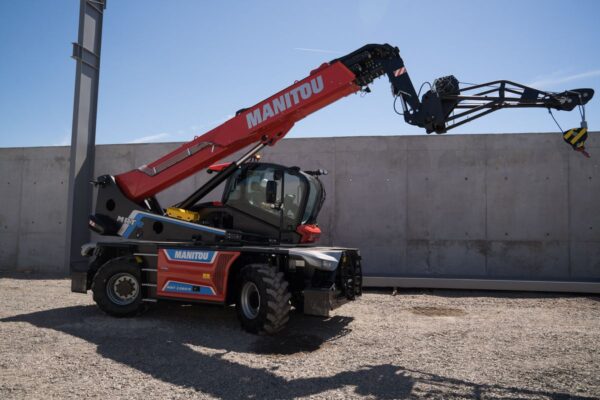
(435, 111)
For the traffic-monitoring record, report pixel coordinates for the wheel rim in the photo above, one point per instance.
(122, 289)
(250, 300)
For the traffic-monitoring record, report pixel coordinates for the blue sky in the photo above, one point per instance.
(172, 70)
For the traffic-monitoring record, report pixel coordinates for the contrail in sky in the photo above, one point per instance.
(549, 82)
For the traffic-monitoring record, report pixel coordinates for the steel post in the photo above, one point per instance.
(83, 140)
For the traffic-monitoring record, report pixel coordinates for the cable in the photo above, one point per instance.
(421, 88)
(395, 110)
(555, 121)
(477, 84)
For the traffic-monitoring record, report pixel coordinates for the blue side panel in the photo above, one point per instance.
(195, 256)
(180, 287)
(131, 228)
(142, 215)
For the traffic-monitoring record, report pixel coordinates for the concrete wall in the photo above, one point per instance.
(458, 206)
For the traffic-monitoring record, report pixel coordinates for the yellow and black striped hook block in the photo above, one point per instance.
(576, 137)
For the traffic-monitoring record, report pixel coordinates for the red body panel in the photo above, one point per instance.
(309, 233)
(193, 273)
(323, 86)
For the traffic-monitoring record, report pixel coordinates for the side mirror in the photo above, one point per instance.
(271, 195)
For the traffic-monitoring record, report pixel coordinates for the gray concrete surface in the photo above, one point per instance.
(416, 345)
(518, 206)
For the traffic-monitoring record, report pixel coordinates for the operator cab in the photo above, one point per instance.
(268, 202)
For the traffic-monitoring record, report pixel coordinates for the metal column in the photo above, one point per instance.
(83, 140)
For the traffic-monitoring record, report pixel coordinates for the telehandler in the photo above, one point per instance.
(256, 247)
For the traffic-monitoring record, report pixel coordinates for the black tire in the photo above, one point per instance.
(117, 288)
(263, 300)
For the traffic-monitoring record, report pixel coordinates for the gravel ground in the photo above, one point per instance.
(418, 344)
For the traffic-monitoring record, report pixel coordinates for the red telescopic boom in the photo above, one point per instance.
(444, 106)
(266, 122)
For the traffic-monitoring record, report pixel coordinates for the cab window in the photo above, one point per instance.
(247, 193)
